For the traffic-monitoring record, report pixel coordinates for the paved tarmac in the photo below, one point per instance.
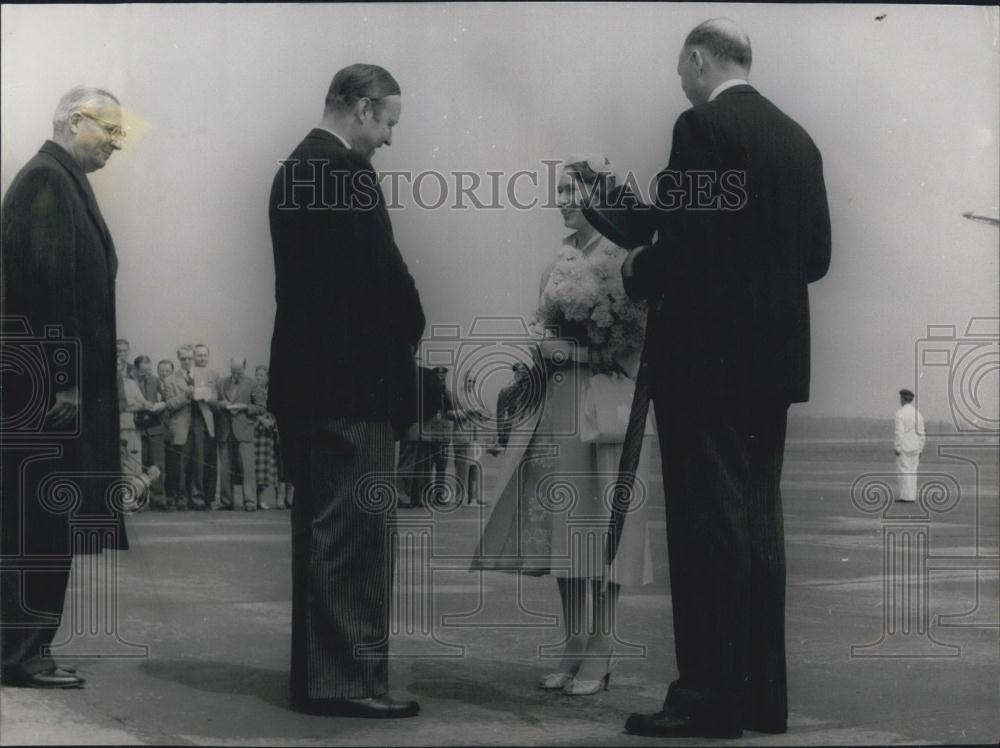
(195, 642)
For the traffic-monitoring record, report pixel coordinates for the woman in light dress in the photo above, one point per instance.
(552, 514)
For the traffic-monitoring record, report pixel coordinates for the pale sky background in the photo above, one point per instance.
(905, 111)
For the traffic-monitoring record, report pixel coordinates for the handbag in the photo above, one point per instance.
(605, 405)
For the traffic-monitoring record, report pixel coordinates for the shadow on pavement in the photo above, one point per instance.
(270, 686)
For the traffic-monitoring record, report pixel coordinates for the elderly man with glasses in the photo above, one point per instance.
(60, 415)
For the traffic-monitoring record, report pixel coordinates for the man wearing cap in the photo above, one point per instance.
(727, 346)
(909, 440)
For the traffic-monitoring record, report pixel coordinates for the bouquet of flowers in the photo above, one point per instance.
(585, 299)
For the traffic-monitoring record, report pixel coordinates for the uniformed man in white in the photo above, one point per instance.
(909, 443)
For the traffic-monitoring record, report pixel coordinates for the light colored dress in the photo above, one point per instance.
(552, 514)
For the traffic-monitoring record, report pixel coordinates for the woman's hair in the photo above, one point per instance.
(139, 360)
(593, 173)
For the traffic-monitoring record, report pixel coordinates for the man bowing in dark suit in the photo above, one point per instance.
(342, 387)
(742, 228)
(60, 439)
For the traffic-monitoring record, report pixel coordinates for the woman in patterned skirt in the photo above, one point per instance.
(267, 456)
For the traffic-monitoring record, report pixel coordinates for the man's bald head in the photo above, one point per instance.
(724, 40)
(716, 50)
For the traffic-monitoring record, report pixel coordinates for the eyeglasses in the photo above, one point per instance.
(114, 131)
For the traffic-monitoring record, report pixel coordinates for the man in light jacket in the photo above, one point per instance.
(909, 443)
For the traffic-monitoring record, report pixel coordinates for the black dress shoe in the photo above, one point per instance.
(380, 707)
(666, 725)
(51, 678)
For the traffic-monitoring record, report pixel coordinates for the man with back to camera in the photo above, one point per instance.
(58, 271)
(338, 270)
(727, 347)
(908, 442)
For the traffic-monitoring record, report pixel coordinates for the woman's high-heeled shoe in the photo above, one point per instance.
(555, 681)
(577, 687)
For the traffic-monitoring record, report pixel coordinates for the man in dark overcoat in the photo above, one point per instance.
(742, 227)
(61, 453)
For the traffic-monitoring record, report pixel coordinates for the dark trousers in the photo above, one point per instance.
(192, 472)
(154, 455)
(725, 535)
(342, 558)
(408, 453)
(172, 474)
(32, 595)
(236, 466)
(211, 472)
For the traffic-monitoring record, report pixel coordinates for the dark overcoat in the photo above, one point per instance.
(743, 227)
(58, 295)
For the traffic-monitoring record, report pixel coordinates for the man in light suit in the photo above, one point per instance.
(341, 405)
(206, 380)
(742, 227)
(191, 424)
(234, 432)
(908, 442)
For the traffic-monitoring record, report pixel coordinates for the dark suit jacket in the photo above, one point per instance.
(58, 268)
(348, 312)
(733, 320)
(151, 424)
(241, 425)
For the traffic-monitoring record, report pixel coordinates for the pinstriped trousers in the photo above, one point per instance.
(725, 542)
(342, 562)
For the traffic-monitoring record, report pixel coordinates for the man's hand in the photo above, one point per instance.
(65, 408)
